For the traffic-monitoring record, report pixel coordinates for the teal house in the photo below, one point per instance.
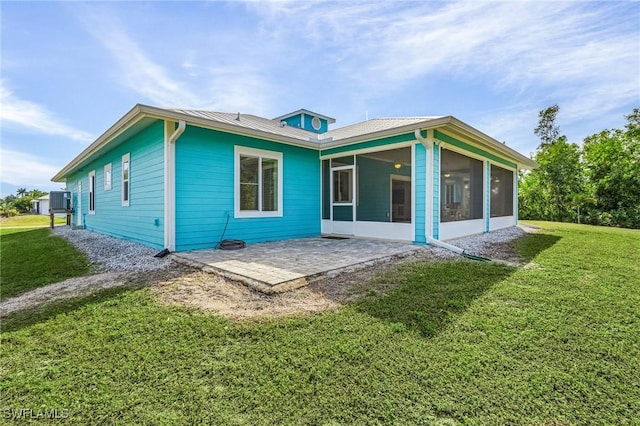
(180, 179)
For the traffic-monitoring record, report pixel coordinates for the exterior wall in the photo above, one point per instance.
(435, 182)
(142, 220)
(205, 191)
(419, 181)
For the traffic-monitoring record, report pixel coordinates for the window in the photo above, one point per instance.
(92, 192)
(126, 189)
(342, 186)
(107, 177)
(460, 187)
(258, 176)
(501, 192)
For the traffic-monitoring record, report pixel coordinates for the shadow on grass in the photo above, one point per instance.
(28, 317)
(428, 296)
(531, 245)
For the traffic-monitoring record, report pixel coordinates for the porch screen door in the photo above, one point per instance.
(343, 199)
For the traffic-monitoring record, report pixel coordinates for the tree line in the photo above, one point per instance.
(12, 205)
(597, 183)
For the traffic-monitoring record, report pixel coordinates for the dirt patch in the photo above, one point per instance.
(209, 292)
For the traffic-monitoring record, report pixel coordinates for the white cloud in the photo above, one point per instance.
(201, 80)
(29, 115)
(26, 170)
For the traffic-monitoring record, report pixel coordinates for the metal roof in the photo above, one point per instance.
(141, 116)
(252, 122)
(373, 126)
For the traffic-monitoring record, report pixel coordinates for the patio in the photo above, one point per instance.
(285, 265)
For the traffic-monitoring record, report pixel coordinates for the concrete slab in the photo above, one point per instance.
(285, 265)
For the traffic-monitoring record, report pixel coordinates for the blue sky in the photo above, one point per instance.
(71, 69)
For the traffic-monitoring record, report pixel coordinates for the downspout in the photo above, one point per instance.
(170, 183)
(179, 131)
(428, 143)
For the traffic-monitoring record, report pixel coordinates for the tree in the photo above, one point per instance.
(612, 164)
(21, 192)
(547, 130)
(36, 193)
(547, 191)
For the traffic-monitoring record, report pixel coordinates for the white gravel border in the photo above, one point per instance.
(111, 254)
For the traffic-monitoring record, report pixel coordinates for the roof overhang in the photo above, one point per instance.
(450, 125)
(142, 116)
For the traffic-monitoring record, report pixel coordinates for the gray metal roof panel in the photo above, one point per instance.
(252, 122)
(373, 126)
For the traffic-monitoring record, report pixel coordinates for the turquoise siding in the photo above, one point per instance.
(142, 220)
(487, 195)
(374, 189)
(295, 121)
(436, 192)
(370, 144)
(308, 126)
(420, 184)
(205, 191)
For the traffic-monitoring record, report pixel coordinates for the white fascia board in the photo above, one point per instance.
(499, 148)
(139, 112)
(409, 128)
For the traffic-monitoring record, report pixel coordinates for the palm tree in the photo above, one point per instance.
(21, 192)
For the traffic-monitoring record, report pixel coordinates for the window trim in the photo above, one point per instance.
(126, 158)
(92, 191)
(260, 153)
(108, 168)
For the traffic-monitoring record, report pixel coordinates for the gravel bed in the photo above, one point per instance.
(111, 254)
(483, 243)
(494, 244)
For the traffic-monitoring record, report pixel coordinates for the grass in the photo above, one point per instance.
(555, 343)
(31, 220)
(32, 258)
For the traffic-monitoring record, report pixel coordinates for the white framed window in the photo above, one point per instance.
(92, 192)
(126, 174)
(258, 183)
(107, 177)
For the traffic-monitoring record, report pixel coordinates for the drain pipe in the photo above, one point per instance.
(169, 182)
(428, 142)
(458, 250)
(179, 131)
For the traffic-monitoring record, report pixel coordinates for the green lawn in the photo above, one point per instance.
(32, 258)
(31, 220)
(555, 343)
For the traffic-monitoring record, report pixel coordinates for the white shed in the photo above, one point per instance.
(41, 205)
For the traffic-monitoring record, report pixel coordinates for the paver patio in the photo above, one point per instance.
(285, 265)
